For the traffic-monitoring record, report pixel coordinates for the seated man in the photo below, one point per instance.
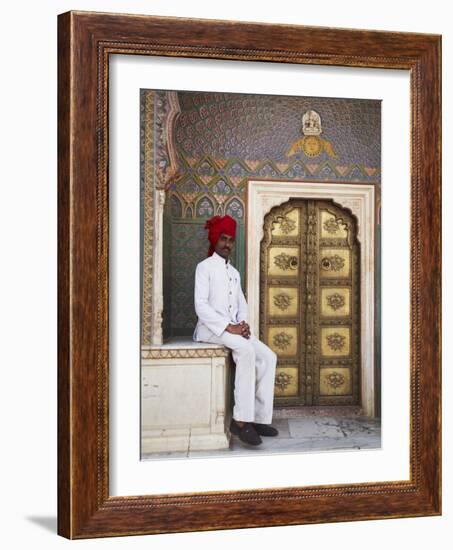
(222, 318)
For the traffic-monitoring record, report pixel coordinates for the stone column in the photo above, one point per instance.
(158, 294)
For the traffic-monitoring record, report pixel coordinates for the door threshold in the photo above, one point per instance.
(332, 410)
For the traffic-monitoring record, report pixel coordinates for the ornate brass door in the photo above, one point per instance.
(310, 302)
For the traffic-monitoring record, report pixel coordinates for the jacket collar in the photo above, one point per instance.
(219, 258)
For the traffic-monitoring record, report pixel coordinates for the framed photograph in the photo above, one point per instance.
(249, 275)
(304, 225)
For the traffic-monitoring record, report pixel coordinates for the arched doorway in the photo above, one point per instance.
(310, 302)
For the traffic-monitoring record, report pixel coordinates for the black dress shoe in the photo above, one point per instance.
(265, 429)
(247, 433)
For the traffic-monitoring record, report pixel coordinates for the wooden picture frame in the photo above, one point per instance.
(85, 41)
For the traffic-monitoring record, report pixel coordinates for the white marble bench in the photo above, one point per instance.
(186, 388)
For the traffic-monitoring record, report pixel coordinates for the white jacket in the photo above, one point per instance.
(219, 299)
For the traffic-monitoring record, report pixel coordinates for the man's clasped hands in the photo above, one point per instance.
(242, 329)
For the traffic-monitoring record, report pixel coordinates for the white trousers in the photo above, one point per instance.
(255, 375)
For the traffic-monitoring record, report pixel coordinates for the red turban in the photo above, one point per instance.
(218, 225)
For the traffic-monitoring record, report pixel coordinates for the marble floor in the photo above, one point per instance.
(301, 434)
